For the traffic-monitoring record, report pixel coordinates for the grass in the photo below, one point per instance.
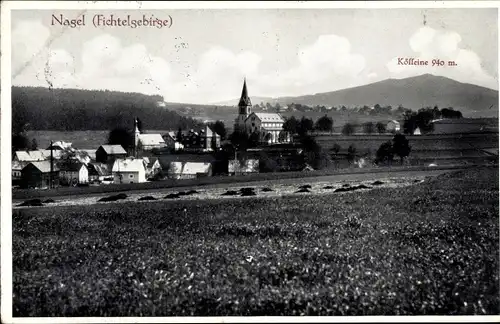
(428, 249)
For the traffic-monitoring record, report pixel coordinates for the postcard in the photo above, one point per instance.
(249, 162)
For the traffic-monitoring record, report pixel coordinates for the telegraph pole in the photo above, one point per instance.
(51, 165)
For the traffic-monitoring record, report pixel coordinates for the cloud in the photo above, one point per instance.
(430, 44)
(105, 63)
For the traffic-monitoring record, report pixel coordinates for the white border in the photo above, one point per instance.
(5, 144)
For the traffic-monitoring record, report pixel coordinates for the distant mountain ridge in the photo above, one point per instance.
(413, 92)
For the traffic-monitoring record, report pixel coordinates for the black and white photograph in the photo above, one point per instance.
(244, 160)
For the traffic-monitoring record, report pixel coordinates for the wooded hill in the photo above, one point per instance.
(37, 108)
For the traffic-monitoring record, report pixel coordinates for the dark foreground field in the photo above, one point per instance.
(431, 248)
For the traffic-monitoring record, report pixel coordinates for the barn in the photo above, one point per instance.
(108, 153)
(38, 175)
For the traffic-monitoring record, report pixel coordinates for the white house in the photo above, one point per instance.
(129, 171)
(393, 126)
(147, 142)
(189, 170)
(73, 174)
(417, 131)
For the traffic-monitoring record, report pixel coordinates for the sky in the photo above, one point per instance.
(205, 54)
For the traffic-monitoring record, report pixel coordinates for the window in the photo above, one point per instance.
(131, 176)
(253, 124)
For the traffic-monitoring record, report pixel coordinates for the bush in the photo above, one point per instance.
(348, 129)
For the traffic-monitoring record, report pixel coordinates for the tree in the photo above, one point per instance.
(139, 125)
(324, 123)
(401, 146)
(34, 144)
(179, 136)
(254, 139)
(220, 129)
(291, 125)
(385, 153)
(369, 127)
(348, 129)
(381, 127)
(305, 126)
(278, 107)
(336, 148)
(239, 140)
(351, 153)
(268, 106)
(121, 136)
(19, 142)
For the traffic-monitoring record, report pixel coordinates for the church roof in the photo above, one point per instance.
(245, 99)
(269, 117)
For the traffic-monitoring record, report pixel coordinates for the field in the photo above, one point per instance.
(429, 248)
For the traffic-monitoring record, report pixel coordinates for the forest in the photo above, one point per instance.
(37, 108)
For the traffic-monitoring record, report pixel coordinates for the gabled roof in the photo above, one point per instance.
(189, 167)
(113, 149)
(44, 166)
(70, 166)
(268, 117)
(101, 169)
(128, 165)
(23, 156)
(151, 139)
(18, 165)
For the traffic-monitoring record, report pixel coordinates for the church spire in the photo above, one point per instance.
(245, 99)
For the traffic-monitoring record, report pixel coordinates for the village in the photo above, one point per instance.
(190, 154)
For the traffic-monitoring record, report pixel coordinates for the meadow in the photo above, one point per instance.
(427, 249)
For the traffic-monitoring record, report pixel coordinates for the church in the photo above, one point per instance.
(269, 125)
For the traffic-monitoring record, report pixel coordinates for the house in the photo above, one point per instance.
(39, 175)
(60, 145)
(417, 131)
(129, 170)
(244, 167)
(73, 174)
(210, 139)
(152, 165)
(147, 142)
(189, 170)
(172, 142)
(16, 169)
(109, 153)
(393, 126)
(270, 125)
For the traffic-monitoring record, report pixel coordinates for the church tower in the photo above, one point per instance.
(244, 108)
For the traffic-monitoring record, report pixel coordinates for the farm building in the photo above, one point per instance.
(72, 174)
(249, 166)
(393, 126)
(38, 175)
(189, 170)
(210, 139)
(152, 165)
(129, 170)
(457, 126)
(108, 153)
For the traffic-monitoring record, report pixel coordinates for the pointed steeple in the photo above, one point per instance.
(245, 99)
